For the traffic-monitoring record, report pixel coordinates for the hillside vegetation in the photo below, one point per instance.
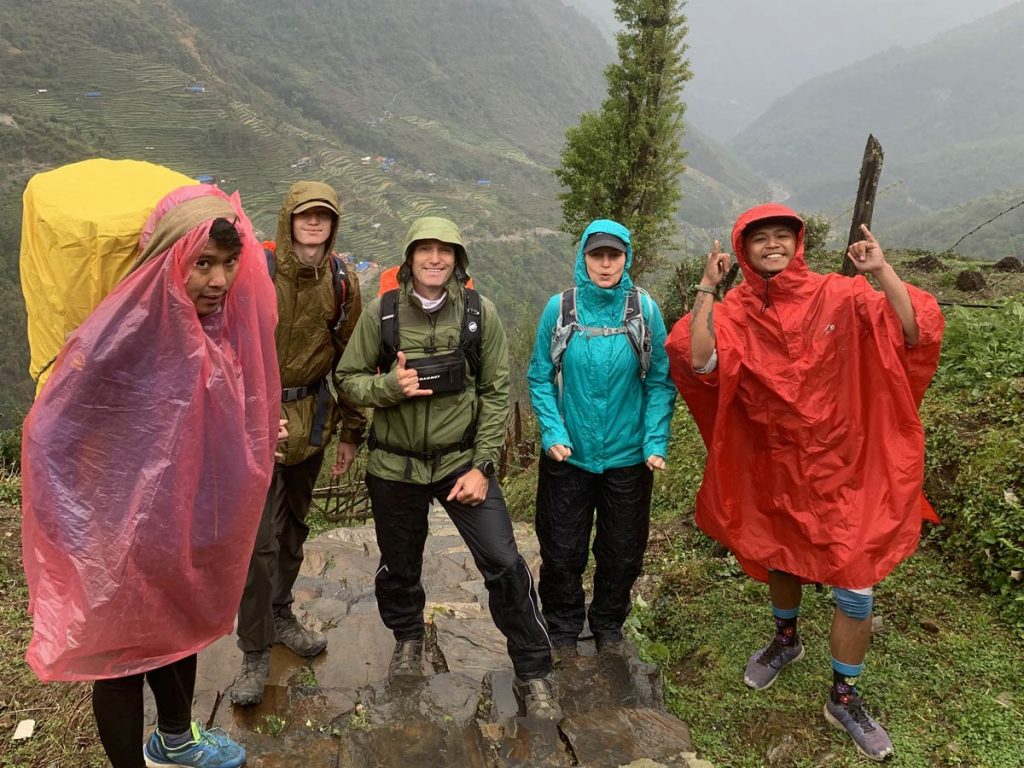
(438, 108)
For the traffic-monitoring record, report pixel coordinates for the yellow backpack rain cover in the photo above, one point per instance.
(79, 236)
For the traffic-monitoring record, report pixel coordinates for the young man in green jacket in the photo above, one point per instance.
(434, 367)
(317, 309)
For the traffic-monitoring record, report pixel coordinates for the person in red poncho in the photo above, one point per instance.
(145, 462)
(806, 388)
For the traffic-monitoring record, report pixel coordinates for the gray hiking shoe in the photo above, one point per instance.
(298, 639)
(247, 689)
(407, 659)
(764, 666)
(845, 710)
(538, 696)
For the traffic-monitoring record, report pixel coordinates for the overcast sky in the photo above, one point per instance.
(746, 53)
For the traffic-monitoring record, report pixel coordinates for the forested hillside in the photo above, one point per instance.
(441, 107)
(948, 114)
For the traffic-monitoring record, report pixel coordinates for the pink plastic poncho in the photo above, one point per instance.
(146, 460)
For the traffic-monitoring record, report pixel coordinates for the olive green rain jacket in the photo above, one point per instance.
(425, 424)
(306, 348)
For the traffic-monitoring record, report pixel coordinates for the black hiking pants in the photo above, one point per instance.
(567, 498)
(400, 518)
(117, 706)
(277, 554)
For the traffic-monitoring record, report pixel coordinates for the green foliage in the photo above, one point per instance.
(975, 476)
(623, 161)
(943, 656)
(10, 448)
(982, 345)
(10, 486)
(974, 420)
(817, 230)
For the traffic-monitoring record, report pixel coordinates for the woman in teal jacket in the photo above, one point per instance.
(600, 388)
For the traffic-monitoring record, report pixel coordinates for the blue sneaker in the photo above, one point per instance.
(764, 665)
(206, 749)
(845, 710)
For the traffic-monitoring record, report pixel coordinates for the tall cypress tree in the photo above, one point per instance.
(623, 161)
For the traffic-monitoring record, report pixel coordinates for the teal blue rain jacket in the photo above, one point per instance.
(606, 414)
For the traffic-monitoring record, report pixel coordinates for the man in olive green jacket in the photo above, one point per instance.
(438, 426)
(317, 310)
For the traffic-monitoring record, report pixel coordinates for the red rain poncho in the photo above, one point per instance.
(146, 460)
(815, 447)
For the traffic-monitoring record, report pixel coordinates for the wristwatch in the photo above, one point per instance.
(486, 467)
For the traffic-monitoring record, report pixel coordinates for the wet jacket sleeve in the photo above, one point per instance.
(356, 374)
(543, 387)
(351, 420)
(659, 391)
(491, 387)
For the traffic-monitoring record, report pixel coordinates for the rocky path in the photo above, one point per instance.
(339, 710)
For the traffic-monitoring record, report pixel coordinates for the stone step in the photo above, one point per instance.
(340, 709)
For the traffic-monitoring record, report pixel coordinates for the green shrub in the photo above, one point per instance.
(974, 420)
(10, 449)
(981, 345)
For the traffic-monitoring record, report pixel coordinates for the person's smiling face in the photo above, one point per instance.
(769, 247)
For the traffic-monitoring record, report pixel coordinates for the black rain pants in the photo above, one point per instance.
(400, 516)
(567, 498)
(277, 554)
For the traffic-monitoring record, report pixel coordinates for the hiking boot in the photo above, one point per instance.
(845, 710)
(407, 659)
(248, 686)
(296, 638)
(764, 666)
(538, 698)
(206, 749)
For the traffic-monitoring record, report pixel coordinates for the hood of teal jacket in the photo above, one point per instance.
(592, 296)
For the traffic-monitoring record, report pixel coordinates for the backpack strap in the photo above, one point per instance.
(471, 336)
(388, 352)
(271, 262)
(341, 283)
(637, 332)
(567, 325)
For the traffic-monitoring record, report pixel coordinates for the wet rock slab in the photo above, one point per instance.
(614, 736)
(340, 710)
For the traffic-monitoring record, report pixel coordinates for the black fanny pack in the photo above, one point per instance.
(442, 374)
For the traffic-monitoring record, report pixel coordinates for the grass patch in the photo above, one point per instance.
(942, 675)
(65, 733)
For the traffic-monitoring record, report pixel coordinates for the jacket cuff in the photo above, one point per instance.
(354, 436)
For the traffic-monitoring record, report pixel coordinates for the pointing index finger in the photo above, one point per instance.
(717, 249)
(867, 234)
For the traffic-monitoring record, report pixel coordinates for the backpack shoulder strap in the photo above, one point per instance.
(271, 262)
(342, 284)
(564, 329)
(471, 335)
(388, 352)
(567, 308)
(637, 331)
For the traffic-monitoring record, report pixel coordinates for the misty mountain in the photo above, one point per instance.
(948, 114)
(745, 54)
